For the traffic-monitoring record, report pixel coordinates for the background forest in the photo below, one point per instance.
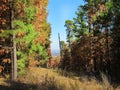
(93, 38)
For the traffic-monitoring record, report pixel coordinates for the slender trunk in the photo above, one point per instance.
(14, 61)
(60, 47)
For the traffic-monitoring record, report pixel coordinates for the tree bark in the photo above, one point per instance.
(14, 61)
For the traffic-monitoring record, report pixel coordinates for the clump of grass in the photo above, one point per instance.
(105, 82)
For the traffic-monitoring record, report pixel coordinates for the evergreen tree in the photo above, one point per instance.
(32, 31)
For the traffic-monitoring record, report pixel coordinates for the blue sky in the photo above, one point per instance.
(58, 12)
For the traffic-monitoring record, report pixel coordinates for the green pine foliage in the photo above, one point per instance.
(26, 36)
(77, 27)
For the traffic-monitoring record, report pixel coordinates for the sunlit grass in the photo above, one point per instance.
(53, 81)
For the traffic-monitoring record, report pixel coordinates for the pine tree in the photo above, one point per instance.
(31, 29)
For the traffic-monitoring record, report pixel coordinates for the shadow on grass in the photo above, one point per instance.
(17, 86)
(23, 86)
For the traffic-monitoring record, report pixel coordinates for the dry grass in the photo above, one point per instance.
(46, 79)
(53, 81)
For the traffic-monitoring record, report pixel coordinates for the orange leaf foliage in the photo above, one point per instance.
(40, 19)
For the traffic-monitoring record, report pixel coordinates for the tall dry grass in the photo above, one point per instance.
(46, 79)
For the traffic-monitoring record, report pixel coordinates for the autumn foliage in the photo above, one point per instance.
(31, 29)
(93, 40)
(5, 58)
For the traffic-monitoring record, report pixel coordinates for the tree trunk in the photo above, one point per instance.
(14, 61)
(60, 47)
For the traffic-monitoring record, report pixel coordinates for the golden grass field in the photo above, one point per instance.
(48, 79)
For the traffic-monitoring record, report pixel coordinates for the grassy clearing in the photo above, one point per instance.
(46, 79)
